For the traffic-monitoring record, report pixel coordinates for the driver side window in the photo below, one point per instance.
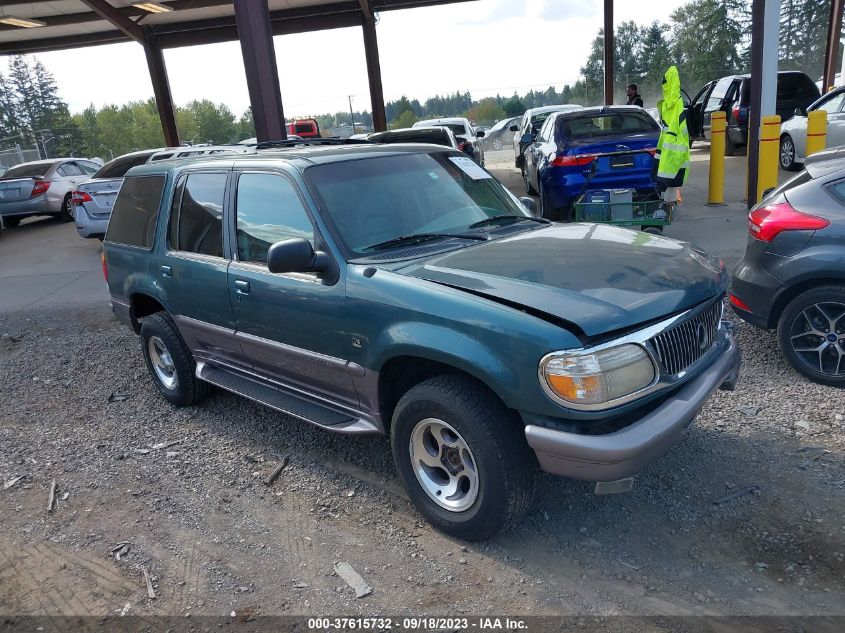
(268, 210)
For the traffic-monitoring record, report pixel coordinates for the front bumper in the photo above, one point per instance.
(627, 451)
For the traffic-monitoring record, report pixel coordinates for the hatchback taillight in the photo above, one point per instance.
(78, 197)
(767, 222)
(40, 187)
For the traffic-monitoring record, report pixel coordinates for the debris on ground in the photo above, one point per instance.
(119, 397)
(151, 594)
(51, 500)
(12, 482)
(819, 453)
(121, 549)
(301, 585)
(156, 447)
(749, 410)
(736, 495)
(276, 472)
(353, 579)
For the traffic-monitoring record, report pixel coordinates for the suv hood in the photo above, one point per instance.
(600, 277)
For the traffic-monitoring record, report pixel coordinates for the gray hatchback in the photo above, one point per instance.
(792, 277)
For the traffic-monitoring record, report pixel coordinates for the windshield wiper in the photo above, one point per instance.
(421, 237)
(515, 218)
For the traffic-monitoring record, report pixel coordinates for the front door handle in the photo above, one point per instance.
(241, 287)
(166, 271)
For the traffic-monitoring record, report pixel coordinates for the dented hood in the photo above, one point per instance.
(601, 278)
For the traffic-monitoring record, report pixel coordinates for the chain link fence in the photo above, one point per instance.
(12, 156)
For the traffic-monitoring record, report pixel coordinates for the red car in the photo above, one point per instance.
(306, 128)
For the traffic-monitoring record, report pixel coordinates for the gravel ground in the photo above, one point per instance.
(213, 538)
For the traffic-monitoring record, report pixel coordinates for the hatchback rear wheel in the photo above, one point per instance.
(811, 334)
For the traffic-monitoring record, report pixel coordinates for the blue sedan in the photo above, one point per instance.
(601, 148)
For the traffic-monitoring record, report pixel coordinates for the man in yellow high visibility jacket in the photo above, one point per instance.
(673, 156)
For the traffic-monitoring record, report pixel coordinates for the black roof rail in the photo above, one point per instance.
(311, 141)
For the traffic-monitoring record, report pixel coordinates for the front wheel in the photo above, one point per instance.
(11, 222)
(787, 153)
(462, 457)
(811, 334)
(529, 188)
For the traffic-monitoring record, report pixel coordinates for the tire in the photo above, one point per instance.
(66, 213)
(499, 466)
(11, 222)
(545, 211)
(730, 146)
(529, 188)
(787, 153)
(806, 325)
(158, 332)
(654, 230)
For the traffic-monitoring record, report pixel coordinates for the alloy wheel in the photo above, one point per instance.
(444, 465)
(162, 362)
(787, 153)
(817, 336)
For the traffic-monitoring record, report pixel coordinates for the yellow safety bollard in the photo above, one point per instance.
(767, 167)
(816, 131)
(716, 185)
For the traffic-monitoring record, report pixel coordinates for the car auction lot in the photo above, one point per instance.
(743, 517)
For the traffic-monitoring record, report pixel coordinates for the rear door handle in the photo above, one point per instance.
(166, 271)
(241, 287)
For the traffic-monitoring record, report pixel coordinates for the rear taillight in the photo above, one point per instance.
(738, 303)
(766, 223)
(573, 161)
(652, 151)
(739, 113)
(462, 145)
(40, 187)
(78, 197)
(105, 268)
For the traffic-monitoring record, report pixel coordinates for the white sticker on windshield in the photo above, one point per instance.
(470, 167)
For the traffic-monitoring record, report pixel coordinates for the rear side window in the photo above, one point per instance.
(133, 219)
(796, 86)
(196, 223)
(119, 166)
(69, 169)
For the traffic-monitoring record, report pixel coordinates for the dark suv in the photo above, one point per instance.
(401, 289)
(732, 95)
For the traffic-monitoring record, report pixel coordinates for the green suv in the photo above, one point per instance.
(403, 290)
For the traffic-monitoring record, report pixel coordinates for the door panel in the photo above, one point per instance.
(193, 271)
(291, 326)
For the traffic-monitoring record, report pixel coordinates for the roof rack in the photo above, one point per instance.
(311, 141)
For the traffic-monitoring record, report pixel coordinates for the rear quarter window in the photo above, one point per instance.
(135, 214)
(796, 86)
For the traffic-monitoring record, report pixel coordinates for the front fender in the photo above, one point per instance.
(444, 345)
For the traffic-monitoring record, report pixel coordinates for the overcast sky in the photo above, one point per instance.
(485, 46)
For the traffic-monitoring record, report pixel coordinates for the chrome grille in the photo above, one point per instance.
(682, 345)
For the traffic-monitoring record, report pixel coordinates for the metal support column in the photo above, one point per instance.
(764, 50)
(368, 26)
(608, 52)
(831, 51)
(262, 75)
(161, 90)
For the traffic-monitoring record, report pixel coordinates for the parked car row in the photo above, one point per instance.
(469, 139)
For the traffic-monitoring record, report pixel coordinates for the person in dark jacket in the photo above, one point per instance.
(634, 97)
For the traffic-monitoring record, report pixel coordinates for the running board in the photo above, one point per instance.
(293, 405)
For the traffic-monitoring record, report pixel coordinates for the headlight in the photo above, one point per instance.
(598, 377)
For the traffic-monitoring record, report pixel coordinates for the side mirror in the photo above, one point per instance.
(799, 111)
(514, 128)
(479, 134)
(526, 139)
(529, 204)
(296, 256)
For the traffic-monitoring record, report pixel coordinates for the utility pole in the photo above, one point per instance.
(352, 114)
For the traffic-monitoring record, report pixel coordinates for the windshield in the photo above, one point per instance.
(379, 199)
